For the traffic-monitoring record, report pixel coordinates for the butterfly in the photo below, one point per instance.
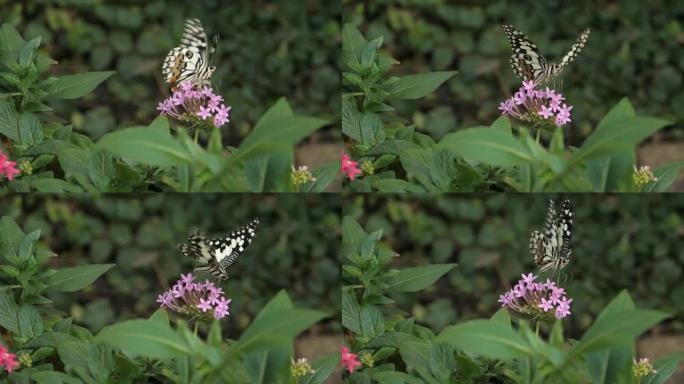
(189, 62)
(551, 250)
(529, 64)
(214, 256)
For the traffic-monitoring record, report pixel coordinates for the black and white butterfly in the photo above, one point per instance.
(214, 256)
(529, 64)
(190, 60)
(551, 249)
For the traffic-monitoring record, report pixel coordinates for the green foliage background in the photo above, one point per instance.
(627, 241)
(635, 50)
(296, 249)
(267, 50)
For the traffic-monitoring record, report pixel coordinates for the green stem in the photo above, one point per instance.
(536, 330)
(196, 326)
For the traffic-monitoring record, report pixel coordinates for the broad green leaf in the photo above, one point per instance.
(27, 243)
(353, 40)
(350, 313)
(372, 322)
(74, 86)
(486, 338)
(415, 278)
(147, 338)
(9, 313)
(30, 322)
(324, 175)
(73, 279)
(11, 237)
(665, 367)
(491, 146)
(666, 175)
(323, 368)
(148, 146)
(616, 329)
(9, 121)
(30, 130)
(275, 328)
(417, 86)
(616, 135)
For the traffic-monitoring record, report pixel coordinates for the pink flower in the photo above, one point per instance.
(536, 299)
(349, 167)
(195, 106)
(8, 168)
(7, 359)
(537, 106)
(349, 360)
(195, 299)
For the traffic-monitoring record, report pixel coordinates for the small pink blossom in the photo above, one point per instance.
(195, 299)
(195, 105)
(7, 359)
(537, 106)
(349, 360)
(536, 299)
(349, 167)
(8, 168)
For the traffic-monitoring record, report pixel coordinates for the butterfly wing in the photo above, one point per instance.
(190, 60)
(573, 53)
(551, 250)
(225, 250)
(527, 61)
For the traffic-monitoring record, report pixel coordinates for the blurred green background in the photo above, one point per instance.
(296, 249)
(635, 50)
(628, 241)
(267, 50)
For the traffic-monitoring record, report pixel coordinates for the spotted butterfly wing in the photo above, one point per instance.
(189, 62)
(551, 249)
(214, 256)
(529, 64)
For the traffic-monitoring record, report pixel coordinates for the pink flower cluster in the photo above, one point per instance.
(530, 104)
(7, 168)
(349, 360)
(349, 167)
(537, 299)
(195, 105)
(7, 359)
(190, 298)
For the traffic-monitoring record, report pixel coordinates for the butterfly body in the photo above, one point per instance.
(527, 61)
(189, 62)
(214, 256)
(551, 249)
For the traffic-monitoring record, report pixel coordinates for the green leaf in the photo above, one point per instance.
(27, 51)
(372, 322)
(74, 86)
(353, 40)
(30, 322)
(75, 278)
(9, 121)
(416, 278)
(30, 131)
(11, 237)
(666, 175)
(26, 245)
(665, 367)
(145, 145)
(277, 324)
(486, 338)
(616, 329)
(417, 86)
(491, 146)
(324, 175)
(323, 368)
(617, 135)
(9, 315)
(147, 338)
